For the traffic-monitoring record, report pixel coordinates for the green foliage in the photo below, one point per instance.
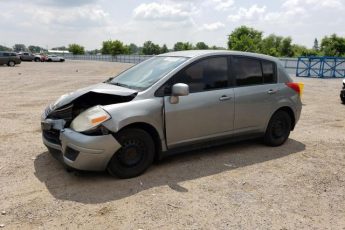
(133, 48)
(286, 48)
(19, 48)
(149, 48)
(271, 45)
(245, 39)
(183, 46)
(76, 49)
(4, 48)
(164, 49)
(35, 49)
(114, 48)
(201, 46)
(316, 45)
(333, 45)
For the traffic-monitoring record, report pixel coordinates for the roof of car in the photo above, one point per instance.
(199, 53)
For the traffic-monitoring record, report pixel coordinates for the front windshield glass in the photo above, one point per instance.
(145, 74)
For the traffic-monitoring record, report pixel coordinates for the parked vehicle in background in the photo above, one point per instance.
(39, 58)
(25, 56)
(171, 103)
(342, 93)
(55, 58)
(9, 58)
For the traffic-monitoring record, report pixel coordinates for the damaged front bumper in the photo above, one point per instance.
(79, 151)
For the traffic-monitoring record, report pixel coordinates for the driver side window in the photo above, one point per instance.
(204, 75)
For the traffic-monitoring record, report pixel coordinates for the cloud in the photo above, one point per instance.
(222, 5)
(60, 3)
(160, 11)
(254, 12)
(213, 26)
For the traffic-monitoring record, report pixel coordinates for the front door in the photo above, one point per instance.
(208, 110)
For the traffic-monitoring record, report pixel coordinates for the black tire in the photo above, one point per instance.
(135, 156)
(49, 60)
(278, 129)
(37, 59)
(62, 60)
(11, 63)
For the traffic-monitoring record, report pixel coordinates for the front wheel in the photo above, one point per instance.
(135, 156)
(278, 129)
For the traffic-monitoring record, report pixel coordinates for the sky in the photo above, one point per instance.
(52, 23)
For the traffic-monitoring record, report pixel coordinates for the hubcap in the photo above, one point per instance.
(131, 153)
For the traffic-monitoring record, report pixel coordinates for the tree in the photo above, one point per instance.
(201, 46)
(133, 48)
(164, 49)
(333, 45)
(245, 39)
(4, 48)
(286, 48)
(149, 48)
(271, 45)
(114, 47)
(183, 46)
(76, 49)
(35, 49)
(316, 45)
(19, 48)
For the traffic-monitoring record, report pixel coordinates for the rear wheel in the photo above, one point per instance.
(11, 63)
(278, 129)
(37, 59)
(135, 156)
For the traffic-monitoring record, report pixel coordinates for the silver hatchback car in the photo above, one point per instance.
(170, 103)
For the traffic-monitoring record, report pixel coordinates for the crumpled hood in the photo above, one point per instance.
(102, 88)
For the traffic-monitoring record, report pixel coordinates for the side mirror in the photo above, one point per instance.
(178, 90)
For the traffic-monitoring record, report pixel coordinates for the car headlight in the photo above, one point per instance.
(90, 119)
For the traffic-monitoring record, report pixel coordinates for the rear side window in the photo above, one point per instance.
(208, 74)
(250, 71)
(268, 71)
(247, 71)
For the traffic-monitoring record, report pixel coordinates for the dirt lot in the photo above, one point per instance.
(238, 186)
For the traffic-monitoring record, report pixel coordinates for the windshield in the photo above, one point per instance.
(145, 74)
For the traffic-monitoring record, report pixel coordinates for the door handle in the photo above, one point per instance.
(271, 91)
(224, 98)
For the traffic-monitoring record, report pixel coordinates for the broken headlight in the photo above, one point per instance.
(90, 119)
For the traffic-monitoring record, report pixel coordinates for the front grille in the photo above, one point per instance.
(52, 136)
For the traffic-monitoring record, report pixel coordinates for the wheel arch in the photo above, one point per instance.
(289, 111)
(152, 131)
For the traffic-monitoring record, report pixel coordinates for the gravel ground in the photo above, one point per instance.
(300, 185)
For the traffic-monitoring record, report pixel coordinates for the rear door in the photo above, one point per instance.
(255, 92)
(208, 110)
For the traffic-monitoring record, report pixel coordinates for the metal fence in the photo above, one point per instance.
(118, 58)
(289, 63)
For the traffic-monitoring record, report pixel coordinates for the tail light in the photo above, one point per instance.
(296, 86)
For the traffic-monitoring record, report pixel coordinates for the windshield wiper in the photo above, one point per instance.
(120, 84)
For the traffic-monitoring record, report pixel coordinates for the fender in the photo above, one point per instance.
(149, 111)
